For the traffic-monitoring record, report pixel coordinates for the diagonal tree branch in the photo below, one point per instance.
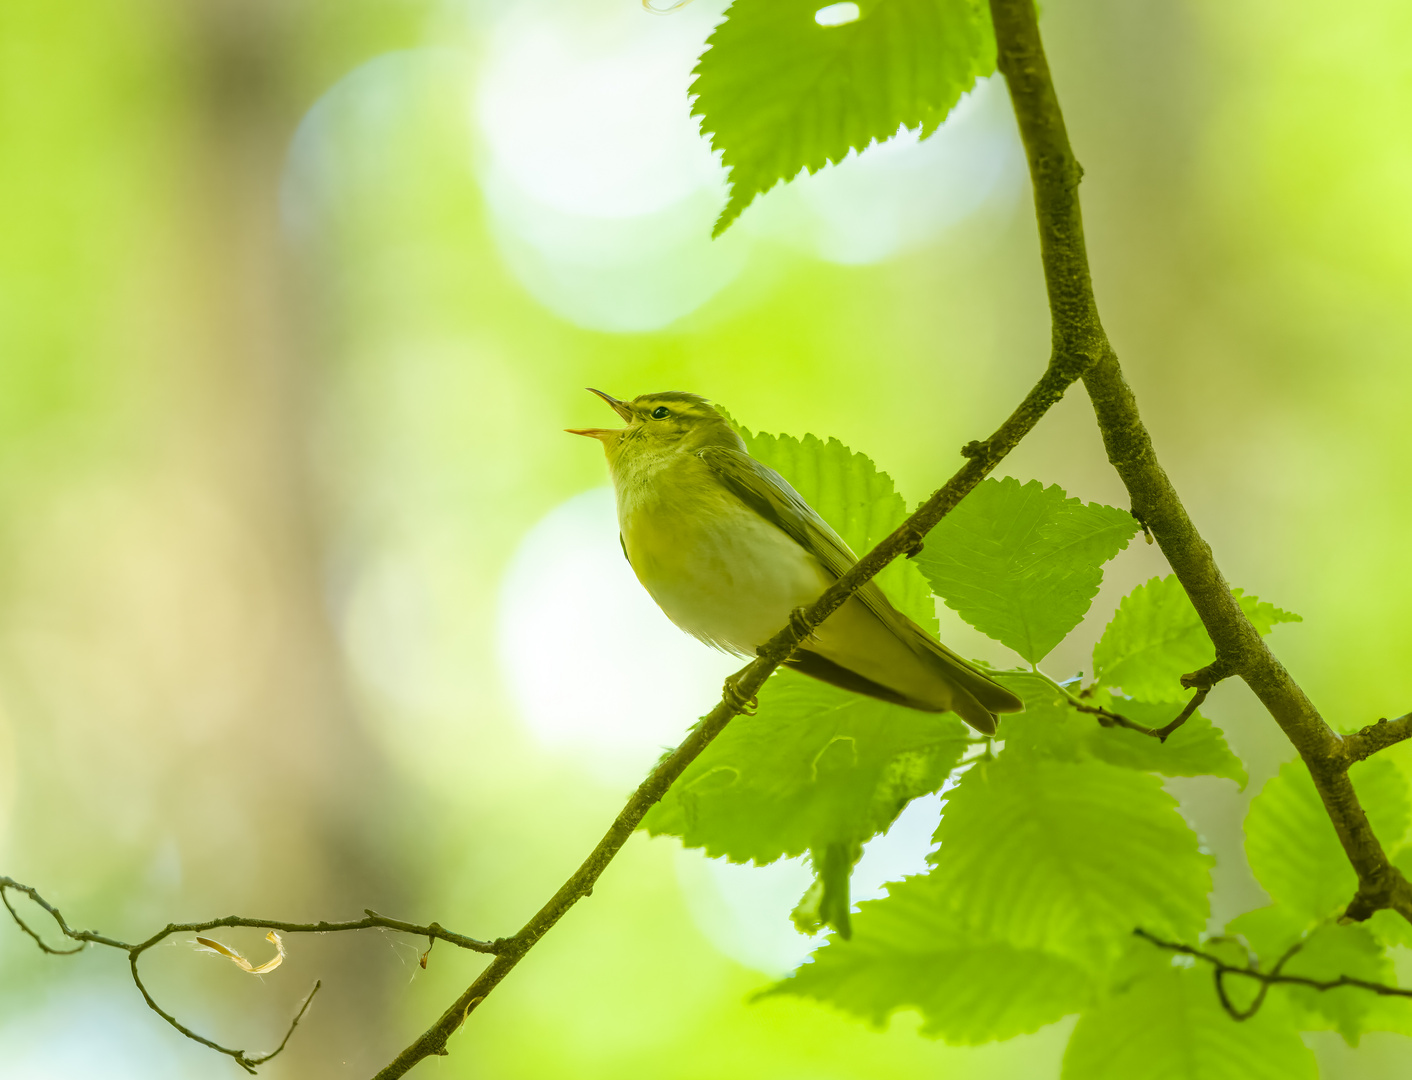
(982, 457)
(1240, 650)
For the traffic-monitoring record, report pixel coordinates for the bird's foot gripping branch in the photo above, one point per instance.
(1065, 880)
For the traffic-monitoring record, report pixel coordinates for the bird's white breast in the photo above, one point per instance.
(716, 568)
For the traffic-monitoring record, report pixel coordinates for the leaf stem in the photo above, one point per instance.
(1106, 717)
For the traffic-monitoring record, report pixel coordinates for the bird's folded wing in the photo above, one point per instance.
(769, 495)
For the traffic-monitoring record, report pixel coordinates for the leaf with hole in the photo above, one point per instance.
(780, 91)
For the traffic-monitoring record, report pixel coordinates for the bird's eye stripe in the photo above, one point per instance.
(660, 412)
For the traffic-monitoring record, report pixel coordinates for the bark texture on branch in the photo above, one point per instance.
(1240, 650)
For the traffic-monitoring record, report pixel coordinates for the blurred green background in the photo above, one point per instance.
(308, 605)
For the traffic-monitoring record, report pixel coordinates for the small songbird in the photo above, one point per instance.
(728, 550)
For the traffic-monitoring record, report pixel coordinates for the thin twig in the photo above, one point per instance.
(1275, 976)
(1369, 740)
(244, 1059)
(1107, 717)
(1078, 331)
(372, 921)
(7, 883)
(260, 1059)
(240, 1057)
(1219, 973)
(1183, 716)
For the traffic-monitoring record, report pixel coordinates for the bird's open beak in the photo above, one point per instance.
(619, 407)
(601, 434)
(605, 434)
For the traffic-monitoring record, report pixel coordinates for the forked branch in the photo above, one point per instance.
(244, 1058)
(1274, 977)
(1240, 649)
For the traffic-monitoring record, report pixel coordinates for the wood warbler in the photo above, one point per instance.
(728, 550)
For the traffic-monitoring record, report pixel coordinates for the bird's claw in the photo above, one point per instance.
(730, 693)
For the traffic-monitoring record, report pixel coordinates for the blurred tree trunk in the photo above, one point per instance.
(186, 745)
(299, 784)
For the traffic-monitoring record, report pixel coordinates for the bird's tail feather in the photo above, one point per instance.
(987, 694)
(973, 712)
(963, 703)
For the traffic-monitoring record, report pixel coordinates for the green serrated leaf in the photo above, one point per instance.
(1325, 952)
(1291, 844)
(1022, 563)
(778, 93)
(1330, 951)
(1034, 689)
(818, 769)
(1156, 637)
(912, 950)
(1197, 748)
(1069, 858)
(1050, 729)
(1229, 950)
(1170, 1026)
(1269, 931)
(816, 766)
(1138, 960)
(855, 497)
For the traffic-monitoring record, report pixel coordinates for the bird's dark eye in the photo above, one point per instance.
(661, 412)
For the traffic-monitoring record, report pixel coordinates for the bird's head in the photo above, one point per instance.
(656, 423)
